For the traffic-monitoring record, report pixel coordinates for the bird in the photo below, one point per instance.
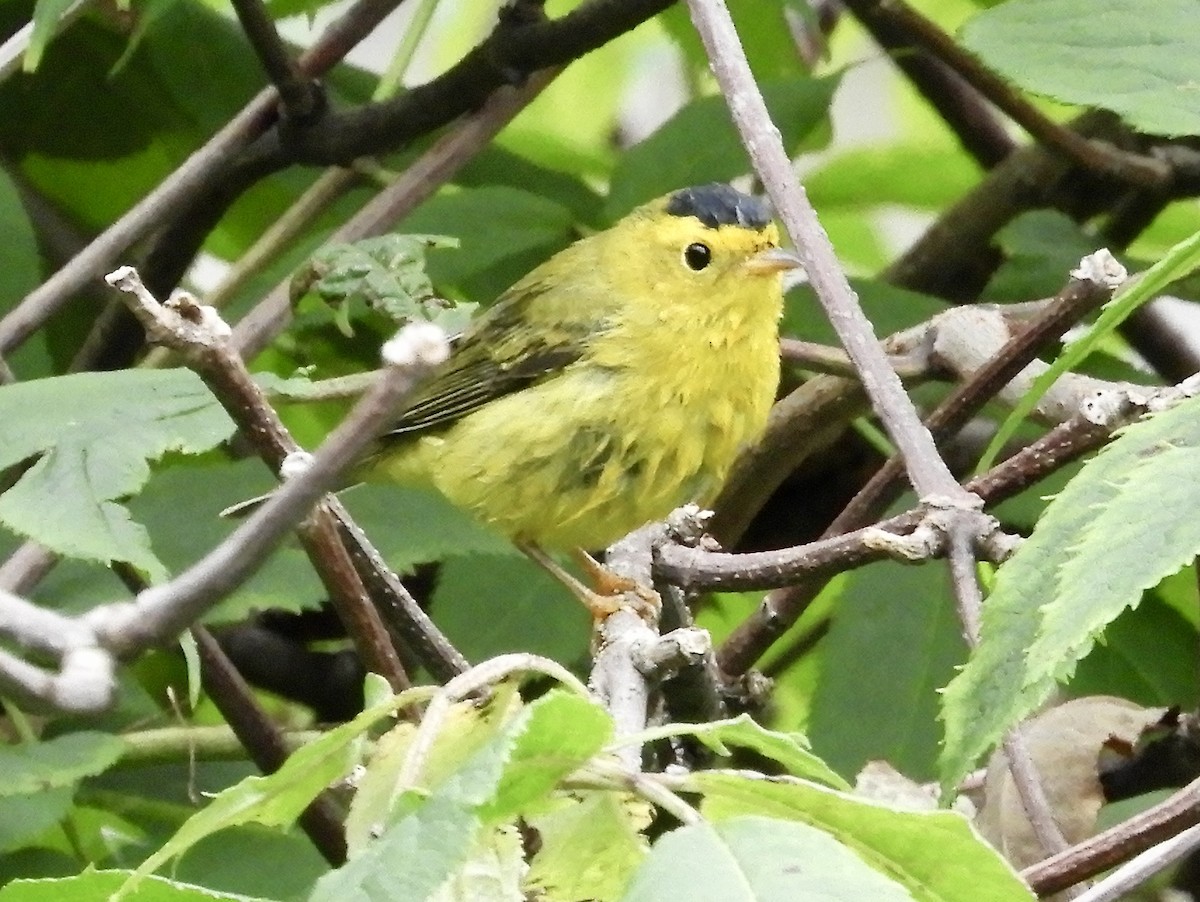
(616, 381)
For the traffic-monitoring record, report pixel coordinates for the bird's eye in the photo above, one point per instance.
(697, 256)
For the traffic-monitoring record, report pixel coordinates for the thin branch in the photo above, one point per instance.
(816, 414)
(265, 742)
(26, 567)
(956, 256)
(350, 599)
(1080, 435)
(400, 611)
(40, 629)
(224, 372)
(520, 45)
(1078, 298)
(163, 611)
(215, 742)
(1138, 871)
(516, 50)
(84, 683)
(1117, 844)
(927, 471)
(300, 97)
(827, 359)
(622, 687)
(695, 569)
(1099, 157)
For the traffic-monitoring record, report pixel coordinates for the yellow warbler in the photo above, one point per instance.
(611, 384)
(614, 382)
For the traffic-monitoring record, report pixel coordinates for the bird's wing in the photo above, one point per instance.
(500, 355)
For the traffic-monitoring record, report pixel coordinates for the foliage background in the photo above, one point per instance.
(124, 95)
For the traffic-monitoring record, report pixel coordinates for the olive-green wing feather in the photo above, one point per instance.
(502, 353)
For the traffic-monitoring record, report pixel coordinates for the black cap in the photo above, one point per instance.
(717, 204)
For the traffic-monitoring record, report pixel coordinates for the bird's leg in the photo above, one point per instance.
(612, 585)
(605, 599)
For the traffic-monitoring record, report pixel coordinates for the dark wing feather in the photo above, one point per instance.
(500, 355)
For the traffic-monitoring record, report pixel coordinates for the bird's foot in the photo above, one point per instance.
(611, 591)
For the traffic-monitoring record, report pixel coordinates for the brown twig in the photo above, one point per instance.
(265, 742)
(300, 97)
(1116, 844)
(1078, 298)
(163, 611)
(519, 47)
(827, 359)
(956, 256)
(355, 608)
(223, 370)
(398, 608)
(1069, 441)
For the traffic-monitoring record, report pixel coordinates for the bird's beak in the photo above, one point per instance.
(771, 261)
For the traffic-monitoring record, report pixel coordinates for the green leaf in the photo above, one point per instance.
(92, 885)
(757, 859)
(204, 487)
(94, 434)
(590, 847)
(466, 729)
(412, 526)
(863, 178)
(557, 734)
(495, 165)
(52, 763)
(24, 818)
(791, 750)
(494, 870)
(20, 264)
(496, 226)
(509, 771)
(1065, 49)
(896, 631)
(253, 860)
(936, 855)
(526, 609)
(1095, 550)
(1040, 248)
(1149, 656)
(277, 799)
(699, 144)
(430, 835)
(388, 272)
(412, 858)
(1181, 260)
